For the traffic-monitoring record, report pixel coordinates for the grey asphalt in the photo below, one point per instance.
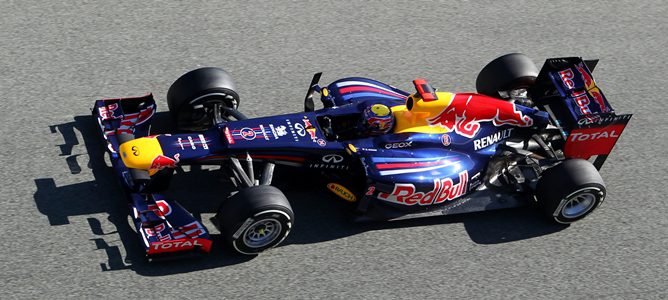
(64, 225)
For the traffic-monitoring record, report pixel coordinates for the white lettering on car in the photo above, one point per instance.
(176, 244)
(486, 141)
(399, 145)
(593, 136)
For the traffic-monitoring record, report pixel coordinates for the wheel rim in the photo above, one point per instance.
(262, 233)
(579, 205)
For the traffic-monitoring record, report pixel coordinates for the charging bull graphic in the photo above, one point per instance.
(465, 112)
(591, 87)
(160, 162)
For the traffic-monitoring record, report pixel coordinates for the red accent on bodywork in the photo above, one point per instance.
(423, 88)
(586, 142)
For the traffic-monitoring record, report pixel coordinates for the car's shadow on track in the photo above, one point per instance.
(320, 216)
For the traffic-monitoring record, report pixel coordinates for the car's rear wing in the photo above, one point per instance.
(566, 89)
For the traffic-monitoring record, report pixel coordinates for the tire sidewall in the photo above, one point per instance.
(598, 191)
(238, 232)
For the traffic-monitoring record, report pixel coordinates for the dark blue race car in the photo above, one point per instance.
(525, 137)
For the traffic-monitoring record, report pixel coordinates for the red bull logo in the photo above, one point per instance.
(160, 162)
(309, 128)
(107, 112)
(591, 87)
(443, 190)
(466, 111)
(567, 78)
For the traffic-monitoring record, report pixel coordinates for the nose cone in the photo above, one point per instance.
(140, 153)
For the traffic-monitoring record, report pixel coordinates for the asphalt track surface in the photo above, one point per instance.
(64, 223)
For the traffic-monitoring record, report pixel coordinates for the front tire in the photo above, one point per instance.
(255, 219)
(570, 191)
(192, 99)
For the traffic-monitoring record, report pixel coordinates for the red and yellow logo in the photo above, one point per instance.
(342, 192)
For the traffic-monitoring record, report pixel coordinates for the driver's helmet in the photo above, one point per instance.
(377, 119)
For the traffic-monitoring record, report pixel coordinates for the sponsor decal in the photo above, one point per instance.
(585, 142)
(489, 140)
(399, 145)
(264, 133)
(598, 119)
(445, 140)
(247, 133)
(443, 190)
(180, 142)
(567, 78)
(342, 192)
(155, 230)
(475, 181)
(228, 137)
(310, 129)
(321, 142)
(466, 111)
(273, 131)
(329, 166)
(311, 132)
(589, 119)
(160, 162)
(582, 101)
(161, 208)
(175, 245)
(300, 129)
(191, 230)
(107, 112)
(332, 158)
(579, 136)
(203, 142)
(591, 87)
(459, 202)
(278, 131)
(292, 130)
(191, 142)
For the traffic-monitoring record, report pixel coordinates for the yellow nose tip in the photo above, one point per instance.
(140, 153)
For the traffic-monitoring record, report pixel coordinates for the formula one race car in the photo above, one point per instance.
(526, 137)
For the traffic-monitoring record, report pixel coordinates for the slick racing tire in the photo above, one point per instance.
(255, 219)
(192, 99)
(508, 72)
(570, 191)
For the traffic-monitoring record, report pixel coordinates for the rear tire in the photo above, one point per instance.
(508, 72)
(570, 191)
(191, 98)
(255, 219)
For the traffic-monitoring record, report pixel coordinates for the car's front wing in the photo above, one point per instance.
(166, 229)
